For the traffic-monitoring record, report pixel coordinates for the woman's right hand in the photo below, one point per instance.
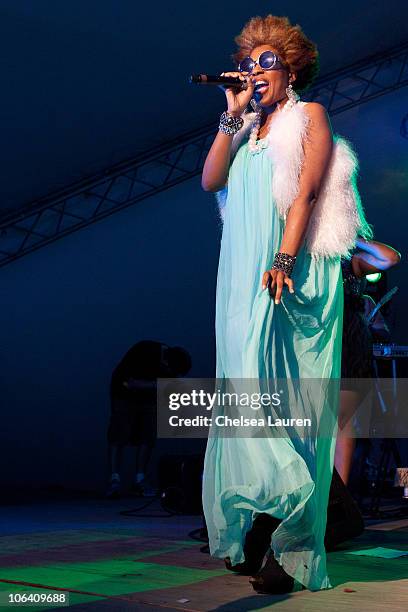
(237, 99)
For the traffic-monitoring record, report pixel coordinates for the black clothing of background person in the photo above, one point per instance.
(133, 392)
(133, 417)
(357, 343)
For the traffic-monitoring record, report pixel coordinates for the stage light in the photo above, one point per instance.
(373, 278)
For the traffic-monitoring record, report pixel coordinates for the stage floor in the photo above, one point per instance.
(106, 561)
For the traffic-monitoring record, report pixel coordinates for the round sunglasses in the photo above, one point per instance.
(268, 60)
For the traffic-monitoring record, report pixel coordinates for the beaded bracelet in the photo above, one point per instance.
(229, 124)
(284, 262)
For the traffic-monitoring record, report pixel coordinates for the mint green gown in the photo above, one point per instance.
(256, 339)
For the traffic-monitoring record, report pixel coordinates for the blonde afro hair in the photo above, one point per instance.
(299, 54)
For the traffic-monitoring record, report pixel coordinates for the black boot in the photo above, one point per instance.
(344, 519)
(257, 543)
(272, 578)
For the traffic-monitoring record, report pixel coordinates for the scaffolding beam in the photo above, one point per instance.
(176, 161)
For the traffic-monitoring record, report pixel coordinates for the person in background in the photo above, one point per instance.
(133, 420)
(357, 355)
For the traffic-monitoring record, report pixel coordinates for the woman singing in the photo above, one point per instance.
(290, 210)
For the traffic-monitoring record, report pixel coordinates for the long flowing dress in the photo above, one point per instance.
(286, 477)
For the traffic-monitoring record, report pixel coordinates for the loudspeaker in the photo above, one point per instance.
(180, 479)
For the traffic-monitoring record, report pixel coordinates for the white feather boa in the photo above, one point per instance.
(337, 216)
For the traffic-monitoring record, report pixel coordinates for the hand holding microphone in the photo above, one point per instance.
(238, 99)
(238, 89)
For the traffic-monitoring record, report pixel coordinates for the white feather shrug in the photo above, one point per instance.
(337, 216)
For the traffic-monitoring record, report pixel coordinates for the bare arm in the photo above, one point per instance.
(215, 171)
(216, 166)
(373, 257)
(317, 153)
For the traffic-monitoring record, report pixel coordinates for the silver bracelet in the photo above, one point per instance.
(284, 262)
(229, 124)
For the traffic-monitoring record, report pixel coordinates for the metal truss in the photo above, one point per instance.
(176, 161)
(362, 81)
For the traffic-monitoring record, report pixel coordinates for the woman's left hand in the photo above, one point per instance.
(274, 280)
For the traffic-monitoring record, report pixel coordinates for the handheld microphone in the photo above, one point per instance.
(210, 79)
